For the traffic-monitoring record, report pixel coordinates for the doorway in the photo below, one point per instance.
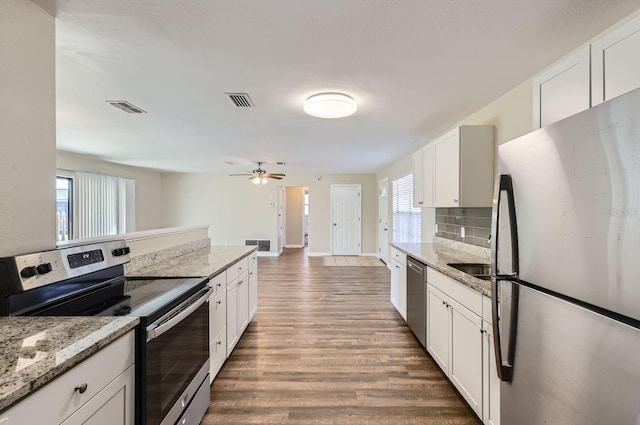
(295, 216)
(383, 220)
(345, 219)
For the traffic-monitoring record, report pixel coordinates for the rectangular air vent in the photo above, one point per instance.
(240, 100)
(126, 106)
(263, 244)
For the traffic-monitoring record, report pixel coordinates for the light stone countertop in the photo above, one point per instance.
(203, 262)
(437, 256)
(36, 350)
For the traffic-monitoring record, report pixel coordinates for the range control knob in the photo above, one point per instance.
(44, 268)
(29, 272)
(119, 252)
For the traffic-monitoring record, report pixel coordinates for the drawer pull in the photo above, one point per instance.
(218, 284)
(218, 302)
(81, 388)
(218, 342)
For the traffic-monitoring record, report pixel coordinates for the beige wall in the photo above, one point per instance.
(237, 210)
(27, 128)
(148, 184)
(294, 216)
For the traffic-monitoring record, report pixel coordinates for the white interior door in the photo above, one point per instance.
(345, 219)
(383, 220)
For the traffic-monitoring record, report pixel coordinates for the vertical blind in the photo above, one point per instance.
(407, 221)
(103, 204)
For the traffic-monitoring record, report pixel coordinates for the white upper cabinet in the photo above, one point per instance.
(615, 63)
(562, 90)
(463, 165)
(423, 177)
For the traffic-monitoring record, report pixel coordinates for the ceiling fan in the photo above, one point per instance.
(259, 175)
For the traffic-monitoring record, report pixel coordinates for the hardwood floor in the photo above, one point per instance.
(327, 347)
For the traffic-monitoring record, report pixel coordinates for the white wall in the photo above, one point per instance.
(148, 184)
(294, 217)
(237, 210)
(27, 128)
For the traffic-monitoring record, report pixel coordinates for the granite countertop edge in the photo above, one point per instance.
(437, 258)
(114, 330)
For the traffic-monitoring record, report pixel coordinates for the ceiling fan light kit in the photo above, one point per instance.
(260, 176)
(330, 105)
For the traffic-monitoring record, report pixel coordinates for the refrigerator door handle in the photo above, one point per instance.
(504, 318)
(504, 184)
(504, 363)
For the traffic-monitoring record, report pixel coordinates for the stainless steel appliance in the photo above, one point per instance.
(172, 341)
(417, 299)
(566, 281)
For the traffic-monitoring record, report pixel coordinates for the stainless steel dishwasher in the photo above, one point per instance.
(417, 299)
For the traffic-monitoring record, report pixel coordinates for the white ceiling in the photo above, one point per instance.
(415, 67)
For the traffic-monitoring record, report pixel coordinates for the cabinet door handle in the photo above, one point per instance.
(420, 202)
(218, 302)
(455, 201)
(218, 285)
(81, 388)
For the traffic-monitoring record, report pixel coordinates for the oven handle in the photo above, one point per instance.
(159, 330)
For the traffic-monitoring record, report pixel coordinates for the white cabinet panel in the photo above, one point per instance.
(490, 380)
(418, 194)
(438, 327)
(253, 290)
(232, 316)
(243, 302)
(218, 353)
(615, 67)
(466, 355)
(447, 170)
(399, 287)
(562, 90)
(217, 313)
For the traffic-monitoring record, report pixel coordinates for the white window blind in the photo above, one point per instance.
(105, 205)
(407, 221)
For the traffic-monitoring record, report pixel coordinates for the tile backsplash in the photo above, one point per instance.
(475, 221)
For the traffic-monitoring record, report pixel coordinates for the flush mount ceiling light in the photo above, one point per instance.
(330, 105)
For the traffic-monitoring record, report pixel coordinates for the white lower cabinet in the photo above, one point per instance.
(218, 353)
(490, 380)
(108, 379)
(243, 302)
(217, 331)
(455, 335)
(398, 290)
(232, 316)
(253, 290)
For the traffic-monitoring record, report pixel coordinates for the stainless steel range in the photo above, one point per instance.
(172, 348)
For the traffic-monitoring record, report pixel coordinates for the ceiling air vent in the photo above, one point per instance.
(240, 100)
(126, 106)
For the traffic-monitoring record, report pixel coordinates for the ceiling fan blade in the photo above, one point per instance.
(277, 174)
(273, 177)
(244, 174)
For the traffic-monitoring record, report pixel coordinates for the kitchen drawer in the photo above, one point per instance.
(236, 269)
(458, 291)
(58, 400)
(218, 352)
(398, 255)
(217, 312)
(218, 282)
(253, 258)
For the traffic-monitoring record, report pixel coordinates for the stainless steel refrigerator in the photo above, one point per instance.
(566, 270)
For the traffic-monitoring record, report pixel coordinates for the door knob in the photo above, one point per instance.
(334, 224)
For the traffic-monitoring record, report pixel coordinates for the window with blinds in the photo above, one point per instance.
(105, 205)
(407, 221)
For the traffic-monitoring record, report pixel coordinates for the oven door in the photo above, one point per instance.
(177, 355)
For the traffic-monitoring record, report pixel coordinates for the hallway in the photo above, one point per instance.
(327, 347)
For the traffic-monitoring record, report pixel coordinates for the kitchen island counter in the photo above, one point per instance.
(203, 262)
(36, 350)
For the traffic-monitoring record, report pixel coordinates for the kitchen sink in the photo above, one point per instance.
(477, 270)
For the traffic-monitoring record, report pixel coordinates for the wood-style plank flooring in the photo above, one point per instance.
(327, 347)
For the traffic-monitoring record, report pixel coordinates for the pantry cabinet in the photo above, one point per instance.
(463, 167)
(562, 90)
(615, 63)
(423, 175)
